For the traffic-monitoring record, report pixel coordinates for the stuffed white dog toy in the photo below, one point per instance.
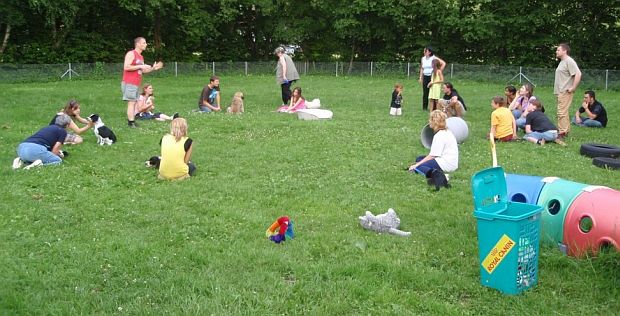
(383, 223)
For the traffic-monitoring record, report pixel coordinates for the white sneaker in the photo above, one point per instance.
(17, 163)
(35, 163)
(447, 176)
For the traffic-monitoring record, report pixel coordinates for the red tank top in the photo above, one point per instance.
(134, 77)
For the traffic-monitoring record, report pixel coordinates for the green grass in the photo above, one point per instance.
(101, 235)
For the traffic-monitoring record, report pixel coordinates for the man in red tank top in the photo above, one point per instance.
(133, 69)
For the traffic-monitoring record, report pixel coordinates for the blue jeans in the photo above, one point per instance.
(588, 122)
(549, 136)
(520, 122)
(29, 152)
(425, 167)
(517, 113)
(205, 109)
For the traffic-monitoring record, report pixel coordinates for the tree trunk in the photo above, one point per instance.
(157, 30)
(351, 60)
(5, 41)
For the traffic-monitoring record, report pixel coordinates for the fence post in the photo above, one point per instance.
(306, 67)
(336, 69)
(246, 68)
(606, 78)
(408, 69)
(213, 67)
(520, 72)
(371, 68)
(176, 69)
(451, 70)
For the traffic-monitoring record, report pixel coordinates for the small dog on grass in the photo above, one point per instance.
(153, 162)
(237, 104)
(437, 178)
(104, 134)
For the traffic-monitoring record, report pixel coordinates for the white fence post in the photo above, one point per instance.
(176, 69)
(451, 70)
(246, 68)
(213, 67)
(336, 69)
(371, 68)
(606, 78)
(408, 70)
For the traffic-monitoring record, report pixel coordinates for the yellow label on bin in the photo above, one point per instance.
(498, 253)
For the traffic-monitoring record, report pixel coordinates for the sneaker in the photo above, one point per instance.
(37, 162)
(175, 115)
(541, 142)
(17, 163)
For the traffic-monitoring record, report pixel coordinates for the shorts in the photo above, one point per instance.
(147, 115)
(129, 91)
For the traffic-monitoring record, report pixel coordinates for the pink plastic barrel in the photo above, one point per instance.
(592, 222)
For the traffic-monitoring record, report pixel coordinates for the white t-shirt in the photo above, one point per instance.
(427, 65)
(445, 150)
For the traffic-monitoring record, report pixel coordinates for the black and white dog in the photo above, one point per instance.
(103, 133)
(153, 162)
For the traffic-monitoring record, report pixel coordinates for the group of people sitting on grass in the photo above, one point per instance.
(44, 147)
(510, 113)
(525, 112)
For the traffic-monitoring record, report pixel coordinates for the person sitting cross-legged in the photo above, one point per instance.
(596, 116)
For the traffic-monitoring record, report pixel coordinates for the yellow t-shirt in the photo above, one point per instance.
(172, 163)
(502, 119)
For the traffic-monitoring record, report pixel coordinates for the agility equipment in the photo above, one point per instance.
(592, 222)
(456, 125)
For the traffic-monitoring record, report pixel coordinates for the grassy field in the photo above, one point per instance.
(101, 235)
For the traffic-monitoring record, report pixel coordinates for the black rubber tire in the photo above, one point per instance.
(599, 150)
(606, 162)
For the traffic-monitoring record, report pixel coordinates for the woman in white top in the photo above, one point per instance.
(426, 72)
(444, 154)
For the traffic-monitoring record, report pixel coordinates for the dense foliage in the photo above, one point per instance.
(465, 31)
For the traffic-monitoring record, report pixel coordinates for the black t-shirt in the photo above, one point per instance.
(539, 122)
(209, 94)
(597, 109)
(396, 99)
(48, 136)
(458, 97)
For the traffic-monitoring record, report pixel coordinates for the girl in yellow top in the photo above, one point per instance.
(176, 150)
(503, 125)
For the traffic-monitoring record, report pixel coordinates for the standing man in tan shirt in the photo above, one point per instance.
(567, 78)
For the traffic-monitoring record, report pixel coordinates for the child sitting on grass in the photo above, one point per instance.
(176, 150)
(538, 127)
(297, 102)
(145, 106)
(503, 125)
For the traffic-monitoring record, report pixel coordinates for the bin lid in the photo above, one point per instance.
(488, 187)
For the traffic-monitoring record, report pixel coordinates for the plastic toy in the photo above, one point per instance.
(383, 223)
(280, 230)
(592, 222)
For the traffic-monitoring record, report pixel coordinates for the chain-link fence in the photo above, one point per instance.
(592, 78)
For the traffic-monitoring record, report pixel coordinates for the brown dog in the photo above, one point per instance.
(237, 103)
